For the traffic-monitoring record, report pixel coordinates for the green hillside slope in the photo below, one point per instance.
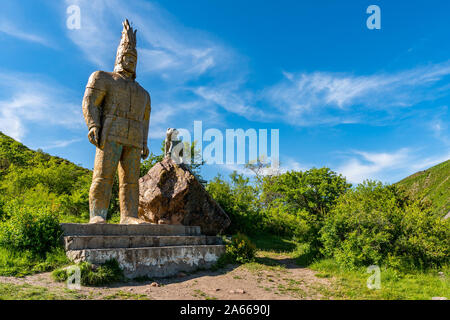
(15, 153)
(39, 181)
(432, 184)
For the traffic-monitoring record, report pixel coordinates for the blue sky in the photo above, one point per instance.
(366, 103)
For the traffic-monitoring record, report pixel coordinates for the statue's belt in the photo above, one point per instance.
(124, 115)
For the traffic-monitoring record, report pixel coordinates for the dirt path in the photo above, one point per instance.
(279, 279)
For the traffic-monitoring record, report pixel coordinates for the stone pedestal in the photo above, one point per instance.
(142, 250)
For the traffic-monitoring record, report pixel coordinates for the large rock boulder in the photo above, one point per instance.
(170, 194)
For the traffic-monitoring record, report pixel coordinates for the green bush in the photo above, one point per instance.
(425, 238)
(279, 221)
(38, 232)
(60, 275)
(376, 224)
(107, 273)
(240, 249)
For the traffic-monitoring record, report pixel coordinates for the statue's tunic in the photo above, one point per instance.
(120, 109)
(125, 111)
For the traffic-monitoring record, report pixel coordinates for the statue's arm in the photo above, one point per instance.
(92, 106)
(93, 99)
(148, 109)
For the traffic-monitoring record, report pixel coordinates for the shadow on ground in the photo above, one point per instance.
(180, 277)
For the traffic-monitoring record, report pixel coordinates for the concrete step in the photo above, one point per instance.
(81, 229)
(125, 241)
(153, 261)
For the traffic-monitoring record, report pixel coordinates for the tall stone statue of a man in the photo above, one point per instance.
(117, 112)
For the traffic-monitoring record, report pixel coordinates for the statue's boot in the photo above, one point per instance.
(164, 221)
(131, 220)
(99, 197)
(129, 201)
(97, 220)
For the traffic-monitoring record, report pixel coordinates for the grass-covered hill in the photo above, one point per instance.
(432, 184)
(15, 153)
(40, 181)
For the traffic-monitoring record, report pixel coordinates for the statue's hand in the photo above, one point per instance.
(145, 152)
(93, 136)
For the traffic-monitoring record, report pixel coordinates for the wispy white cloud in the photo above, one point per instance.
(385, 166)
(60, 144)
(34, 99)
(324, 97)
(166, 48)
(439, 125)
(229, 97)
(421, 164)
(9, 28)
(180, 55)
(305, 99)
(366, 165)
(290, 164)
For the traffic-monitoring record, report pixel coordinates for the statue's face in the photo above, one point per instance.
(129, 63)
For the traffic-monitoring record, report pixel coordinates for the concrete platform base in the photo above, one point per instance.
(143, 250)
(153, 261)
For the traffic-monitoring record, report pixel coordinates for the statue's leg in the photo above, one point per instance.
(105, 166)
(128, 170)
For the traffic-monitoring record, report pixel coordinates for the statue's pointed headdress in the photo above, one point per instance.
(127, 44)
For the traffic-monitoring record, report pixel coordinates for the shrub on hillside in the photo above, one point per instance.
(279, 221)
(425, 238)
(239, 250)
(38, 232)
(376, 224)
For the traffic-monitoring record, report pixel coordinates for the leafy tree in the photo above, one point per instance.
(239, 199)
(302, 200)
(261, 168)
(314, 190)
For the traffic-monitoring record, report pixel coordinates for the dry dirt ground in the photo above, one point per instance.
(279, 279)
